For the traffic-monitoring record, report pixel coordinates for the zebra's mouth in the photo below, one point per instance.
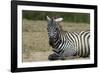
(52, 38)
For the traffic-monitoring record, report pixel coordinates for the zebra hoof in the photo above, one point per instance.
(53, 57)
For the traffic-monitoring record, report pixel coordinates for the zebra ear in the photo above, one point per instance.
(48, 18)
(58, 19)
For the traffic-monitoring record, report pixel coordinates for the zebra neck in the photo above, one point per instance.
(53, 40)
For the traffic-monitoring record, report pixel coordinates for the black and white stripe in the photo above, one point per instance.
(65, 43)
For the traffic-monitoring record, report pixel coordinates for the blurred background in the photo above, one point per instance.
(69, 17)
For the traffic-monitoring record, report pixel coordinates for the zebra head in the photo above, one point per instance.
(53, 26)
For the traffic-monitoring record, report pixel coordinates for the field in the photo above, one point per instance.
(35, 46)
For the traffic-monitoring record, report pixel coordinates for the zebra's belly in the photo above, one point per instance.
(69, 52)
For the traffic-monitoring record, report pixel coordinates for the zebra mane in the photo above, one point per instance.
(58, 24)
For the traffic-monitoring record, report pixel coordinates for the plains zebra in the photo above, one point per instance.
(66, 44)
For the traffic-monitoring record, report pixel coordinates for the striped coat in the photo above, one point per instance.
(66, 44)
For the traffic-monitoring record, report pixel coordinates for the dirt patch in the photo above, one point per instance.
(43, 56)
(36, 56)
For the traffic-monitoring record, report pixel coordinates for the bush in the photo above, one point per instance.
(69, 17)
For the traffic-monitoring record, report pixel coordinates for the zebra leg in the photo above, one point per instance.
(53, 57)
(67, 54)
(68, 57)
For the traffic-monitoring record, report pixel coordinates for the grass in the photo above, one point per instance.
(35, 37)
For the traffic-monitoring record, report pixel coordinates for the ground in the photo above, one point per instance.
(35, 46)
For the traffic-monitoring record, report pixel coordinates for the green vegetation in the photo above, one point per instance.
(69, 17)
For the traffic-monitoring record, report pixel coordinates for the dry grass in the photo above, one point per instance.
(35, 38)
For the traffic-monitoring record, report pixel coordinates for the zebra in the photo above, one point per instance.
(66, 44)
